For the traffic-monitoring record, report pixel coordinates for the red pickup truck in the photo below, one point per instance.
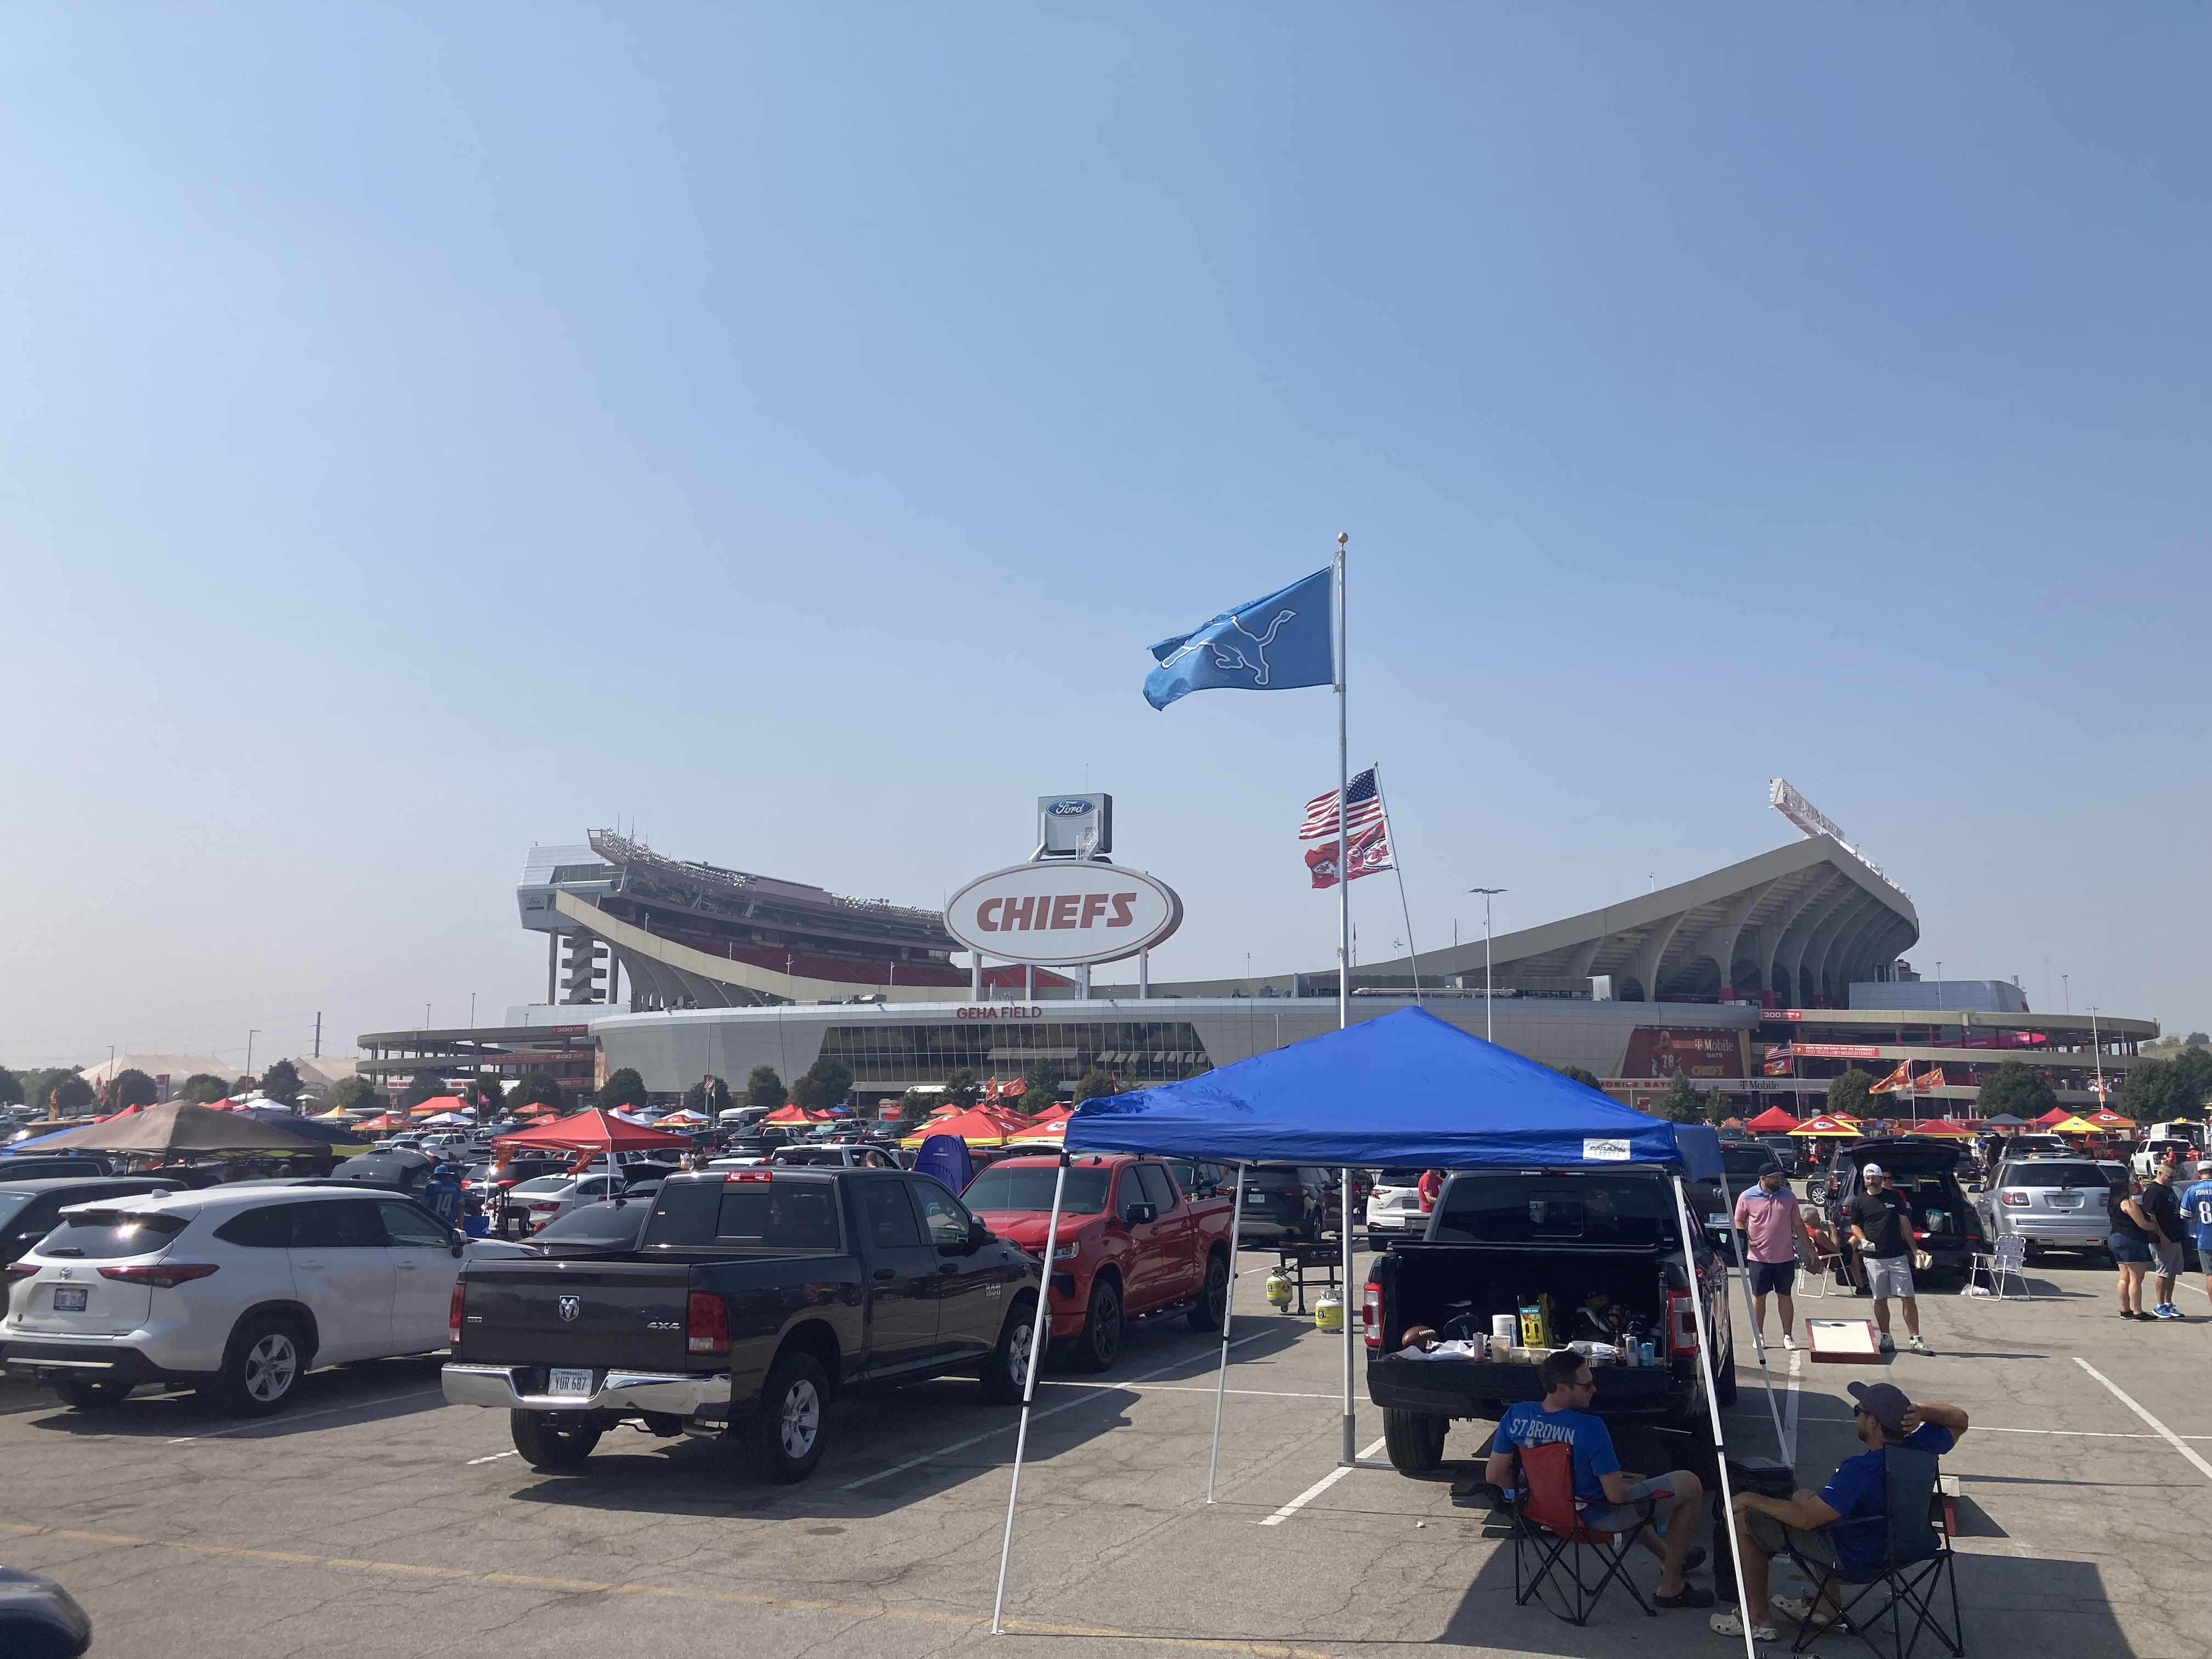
(1132, 1241)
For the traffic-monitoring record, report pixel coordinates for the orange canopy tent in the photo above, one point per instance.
(598, 1130)
(2105, 1118)
(438, 1104)
(1772, 1119)
(1826, 1124)
(1053, 1130)
(381, 1120)
(786, 1115)
(2056, 1115)
(1054, 1112)
(1940, 1127)
(975, 1127)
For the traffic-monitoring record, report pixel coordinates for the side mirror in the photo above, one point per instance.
(1138, 1214)
(978, 1234)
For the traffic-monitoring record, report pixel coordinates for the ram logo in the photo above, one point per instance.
(1070, 809)
(570, 1306)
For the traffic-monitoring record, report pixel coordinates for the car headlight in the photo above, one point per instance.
(1067, 1252)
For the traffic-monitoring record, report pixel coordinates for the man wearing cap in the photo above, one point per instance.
(1882, 1226)
(2196, 1215)
(1766, 1527)
(1771, 1222)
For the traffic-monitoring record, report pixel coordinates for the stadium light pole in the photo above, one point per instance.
(1489, 1028)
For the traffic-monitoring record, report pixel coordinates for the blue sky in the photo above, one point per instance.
(427, 431)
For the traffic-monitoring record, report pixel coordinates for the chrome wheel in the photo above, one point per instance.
(271, 1366)
(1017, 1354)
(802, 1418)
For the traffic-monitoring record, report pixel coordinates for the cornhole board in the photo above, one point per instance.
(1843, 1341)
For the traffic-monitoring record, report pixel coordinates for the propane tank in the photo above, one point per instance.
(1279, 1291)
(1329, 1312)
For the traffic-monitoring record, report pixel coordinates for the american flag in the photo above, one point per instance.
(1363, 805)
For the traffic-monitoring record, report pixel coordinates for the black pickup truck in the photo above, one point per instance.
(1498, 1239)
(751, 1297)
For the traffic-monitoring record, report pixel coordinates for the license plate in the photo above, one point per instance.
(1255, 1198)
(1721, 1220)
(570, 1383)
(69, 1299)
(2063, 1200)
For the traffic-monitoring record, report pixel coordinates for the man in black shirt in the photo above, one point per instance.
(2163, 1206)
(1882, 1226)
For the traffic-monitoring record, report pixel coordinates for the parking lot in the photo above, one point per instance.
(373, 1518)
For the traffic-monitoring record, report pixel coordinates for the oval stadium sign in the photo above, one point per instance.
(1063, 914)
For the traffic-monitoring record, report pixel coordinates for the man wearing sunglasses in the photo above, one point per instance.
(1606, 1494)
(1765, 1527)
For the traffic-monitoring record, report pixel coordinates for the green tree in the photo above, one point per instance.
(1587, 1080)
(914, 1105)
(11, 1088)
(2193, 1071)
(202, 1087)
(2014, 1087)
(537, 1089)
(809, 1093)
(1680, 1104)
(1040, 1088)
(131, 1087)
(487, 1097)
(961, 1088)
(352, 1094)
(71, 1094)
(2161, 1089)
(836, 1077)
(1849, 1094)
(713, 1102)
(423, 1085)
(764, 1089)
(1096, 1084)
(624, 1087)
(1718, 1109)
(281, 1082)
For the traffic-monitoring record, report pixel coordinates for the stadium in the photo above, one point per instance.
(1763, 979)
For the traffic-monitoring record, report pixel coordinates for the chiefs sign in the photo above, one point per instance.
(1062, 914)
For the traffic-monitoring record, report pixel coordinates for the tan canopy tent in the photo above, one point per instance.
(183, 1129)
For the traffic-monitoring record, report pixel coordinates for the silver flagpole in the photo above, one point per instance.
(1404, 908)
(1040, 1335)
(1343, 813)
(1351, 1453)
(1221, 1381)
(1706, 1359)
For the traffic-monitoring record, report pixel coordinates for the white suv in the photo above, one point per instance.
(236, 1290)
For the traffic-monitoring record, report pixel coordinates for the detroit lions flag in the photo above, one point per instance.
(1273, 644)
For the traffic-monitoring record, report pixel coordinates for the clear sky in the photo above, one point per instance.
(426, 430)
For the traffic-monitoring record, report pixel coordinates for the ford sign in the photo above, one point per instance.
(1062, 913)
(1070, 809)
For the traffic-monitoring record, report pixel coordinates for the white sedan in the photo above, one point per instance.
(548, 1198)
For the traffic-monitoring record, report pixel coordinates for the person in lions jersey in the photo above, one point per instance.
(2197, 1216)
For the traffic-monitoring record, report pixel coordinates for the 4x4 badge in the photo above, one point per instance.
(571, 1306)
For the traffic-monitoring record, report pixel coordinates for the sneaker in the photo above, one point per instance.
(1887, 1344)
(1918, 1346)
(2165, 1310)
(1788, 1343)
(1731, 1624)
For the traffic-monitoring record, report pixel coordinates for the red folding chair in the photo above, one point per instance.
(1547, 1524)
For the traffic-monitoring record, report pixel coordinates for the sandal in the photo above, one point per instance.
(1731, 1624)
(1688, 1596)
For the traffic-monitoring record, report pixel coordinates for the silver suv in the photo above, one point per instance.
(2054, 1203)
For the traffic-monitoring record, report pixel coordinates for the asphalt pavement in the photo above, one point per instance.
(374, 1519)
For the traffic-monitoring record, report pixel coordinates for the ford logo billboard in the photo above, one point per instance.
(1070, 809)
(1061, 913)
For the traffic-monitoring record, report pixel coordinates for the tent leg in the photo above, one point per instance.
(1758, 1336)
(1040, 1336)
(1221, 1378)
(1350, 1454)
(1713, 1402)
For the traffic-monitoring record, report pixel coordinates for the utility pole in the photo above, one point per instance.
(1489, 1025)
(318, 1035)
(250, 1035)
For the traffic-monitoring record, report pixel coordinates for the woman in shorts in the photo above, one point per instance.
(2129, 1244)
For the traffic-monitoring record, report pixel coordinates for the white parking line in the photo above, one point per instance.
(1316, 1489)
(302, 1417)
(2164, 1433)
(494, 1458)
(1790, 1417)
(1035, 1417)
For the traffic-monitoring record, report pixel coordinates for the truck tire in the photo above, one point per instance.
(262, 1367)
(784, 1437)
(1415, 1441)
(546, 1441)
(1213, 1304)
(1096, 1348)
(1006, 1372)
(83, 1397)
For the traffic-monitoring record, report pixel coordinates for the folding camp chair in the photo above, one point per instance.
(2002, 1261)
(1916, 1567)
(1820, 1267)
(1547, 1524)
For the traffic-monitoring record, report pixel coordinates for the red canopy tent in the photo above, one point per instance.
(1772, 1120)
(2056, 1115)
(601, 1131)
(2105, 1118)
(1054, 1112)
(438, 1104)
(787, 1114)
(975, 1125)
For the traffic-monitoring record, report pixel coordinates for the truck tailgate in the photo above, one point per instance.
(577, 1313)
(1450, 1387)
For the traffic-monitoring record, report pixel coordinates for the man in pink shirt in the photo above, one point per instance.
(1771, 1221)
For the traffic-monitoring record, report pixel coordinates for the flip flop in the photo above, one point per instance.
(1731, 1624)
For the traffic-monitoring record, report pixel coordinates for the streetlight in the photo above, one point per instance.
(2097, 1043)
(250, 1035)
(1489, 1028)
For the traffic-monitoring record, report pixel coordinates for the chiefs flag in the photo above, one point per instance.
(1932, 1078)
(1899, 1078)
(1370, 853)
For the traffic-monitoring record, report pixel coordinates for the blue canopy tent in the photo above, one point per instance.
(1404, 1089)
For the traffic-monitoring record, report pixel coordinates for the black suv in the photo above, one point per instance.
(29, 1209)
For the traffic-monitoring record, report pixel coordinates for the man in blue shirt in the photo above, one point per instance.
(442, 1194)
(1606, 1494)
(2197, 1216)
(1766, 1527)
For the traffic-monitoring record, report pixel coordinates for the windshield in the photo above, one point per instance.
(1508, 1208)
(101, 1235)
(2053, 1175)
(11, 1202)
(1399, 1178)
(1747, 1160)
(1029, 1186)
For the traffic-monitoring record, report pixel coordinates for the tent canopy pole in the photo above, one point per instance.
(1758, 1336)
(1229, 1308)
(1705, 1360)
(1040, 1336)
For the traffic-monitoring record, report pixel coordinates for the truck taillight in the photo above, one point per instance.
(1371, 1315)
(454, 1316)
(705, 1324)
(1681, 1323)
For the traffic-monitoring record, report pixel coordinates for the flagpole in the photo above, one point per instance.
(1404, 908)
(1343, 814)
